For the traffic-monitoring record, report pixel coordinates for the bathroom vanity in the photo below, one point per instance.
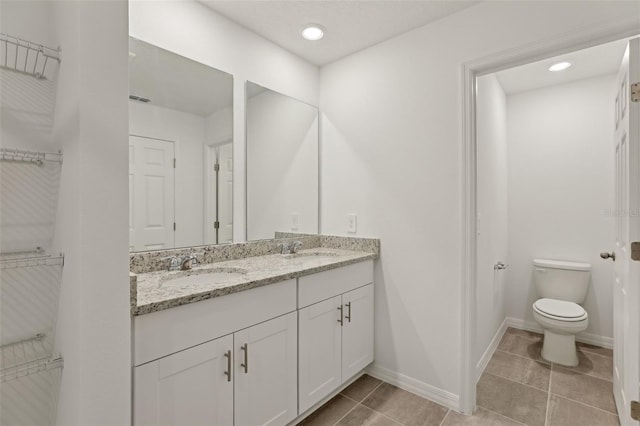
(270, 337)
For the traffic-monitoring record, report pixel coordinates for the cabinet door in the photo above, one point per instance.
(320, 353)
(266, 370)
(187, 388)
(357, 333)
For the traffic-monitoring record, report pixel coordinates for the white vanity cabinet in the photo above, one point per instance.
(191, 387)
(249, 374)
(336, 333)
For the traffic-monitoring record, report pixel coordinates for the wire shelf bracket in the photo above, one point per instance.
(26, 57)
(27, 156)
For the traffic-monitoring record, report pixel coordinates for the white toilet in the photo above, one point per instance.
(561, 286)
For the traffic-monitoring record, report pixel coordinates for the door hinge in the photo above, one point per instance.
(635, 250)
(174, 163)
(216, 225)
(635, 92)
(174, 226)
(216, 167)
(635, 410)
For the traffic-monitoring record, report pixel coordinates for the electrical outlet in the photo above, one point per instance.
(352, 223)
(295, 221)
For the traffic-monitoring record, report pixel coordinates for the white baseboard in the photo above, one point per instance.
(417, 387)
(590, 338)
(488, 353)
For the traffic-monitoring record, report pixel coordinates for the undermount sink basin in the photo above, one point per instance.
(204, 277)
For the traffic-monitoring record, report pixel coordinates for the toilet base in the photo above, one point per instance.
(560, 348)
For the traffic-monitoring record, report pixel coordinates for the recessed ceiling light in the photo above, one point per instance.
(312, 32)
(559, 66)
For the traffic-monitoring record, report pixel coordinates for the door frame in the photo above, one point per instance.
(208, 176)
(546, 48)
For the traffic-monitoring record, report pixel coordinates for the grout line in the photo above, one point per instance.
(445, 417)
(540, 361)
(586, 405)
(547, 411)
(518, 383)
(358, 403)
(502, 415)
(349, 398)
(570, 369)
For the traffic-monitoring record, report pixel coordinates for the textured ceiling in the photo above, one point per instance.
(351, 25)
(592, 62)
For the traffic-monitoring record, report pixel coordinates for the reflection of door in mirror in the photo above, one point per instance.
(151, 194)
(173, 98)
(219, 194)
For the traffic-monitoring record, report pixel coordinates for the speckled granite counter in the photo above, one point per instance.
(154, 289)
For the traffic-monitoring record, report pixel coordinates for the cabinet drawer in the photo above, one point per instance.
(327, 284)
(165, 332)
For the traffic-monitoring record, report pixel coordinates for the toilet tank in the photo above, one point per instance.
(562, 280)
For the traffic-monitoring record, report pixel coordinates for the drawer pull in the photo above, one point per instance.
(227, 373)
(341, 320)
(245, 365)
(348, 316)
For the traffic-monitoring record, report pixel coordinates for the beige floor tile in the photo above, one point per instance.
(363, 416)
(563, 412)
(580, 387)
(594, 365)
(514, 400)
(330, 412)
(362, 387)
(520, 369)
(481, 417)
(524, 333)
(405, 407)
(523, 346)
(585, 347)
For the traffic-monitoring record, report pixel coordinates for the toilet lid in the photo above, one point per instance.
(559, 308)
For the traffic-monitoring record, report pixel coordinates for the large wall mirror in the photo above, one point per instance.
(282, 164)
(180, 151)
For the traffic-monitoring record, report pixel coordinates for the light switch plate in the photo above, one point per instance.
(295, 221)
(352, 223)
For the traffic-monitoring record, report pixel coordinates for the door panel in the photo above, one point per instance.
(186, 388)
(357, 333)
(627, 272)
(151, 193)
(320, 351)
(265, 372)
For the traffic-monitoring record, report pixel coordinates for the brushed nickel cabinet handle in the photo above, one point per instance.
(348, 316)
(245, 365)
(228, 372)
(341, 320)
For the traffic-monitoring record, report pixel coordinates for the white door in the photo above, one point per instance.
(266, 368)
(626, 281)
(151, 194)
(191, 387)
(357, 332)
(225, 196)
(320, 351)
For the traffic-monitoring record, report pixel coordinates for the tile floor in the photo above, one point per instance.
(518, 387)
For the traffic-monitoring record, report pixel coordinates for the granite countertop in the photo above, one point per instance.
(153, 291)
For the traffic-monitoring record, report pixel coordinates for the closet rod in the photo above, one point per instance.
(26, 156)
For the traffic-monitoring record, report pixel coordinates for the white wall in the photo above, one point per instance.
(391, 151)
(188, 133)
(491, 136)
(192, 30)
(560, 185)
(282, 165)
(90, 124)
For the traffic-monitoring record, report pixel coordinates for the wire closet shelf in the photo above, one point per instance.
(26, 57)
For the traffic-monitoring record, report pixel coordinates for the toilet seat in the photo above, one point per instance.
(560, 310)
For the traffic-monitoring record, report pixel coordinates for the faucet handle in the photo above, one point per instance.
(174, 262)
(295, 246)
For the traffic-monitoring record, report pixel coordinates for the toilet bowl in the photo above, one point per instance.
(561, 321)
(561, 286)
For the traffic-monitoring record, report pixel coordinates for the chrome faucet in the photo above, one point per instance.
(183, 263)
(290, 248)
